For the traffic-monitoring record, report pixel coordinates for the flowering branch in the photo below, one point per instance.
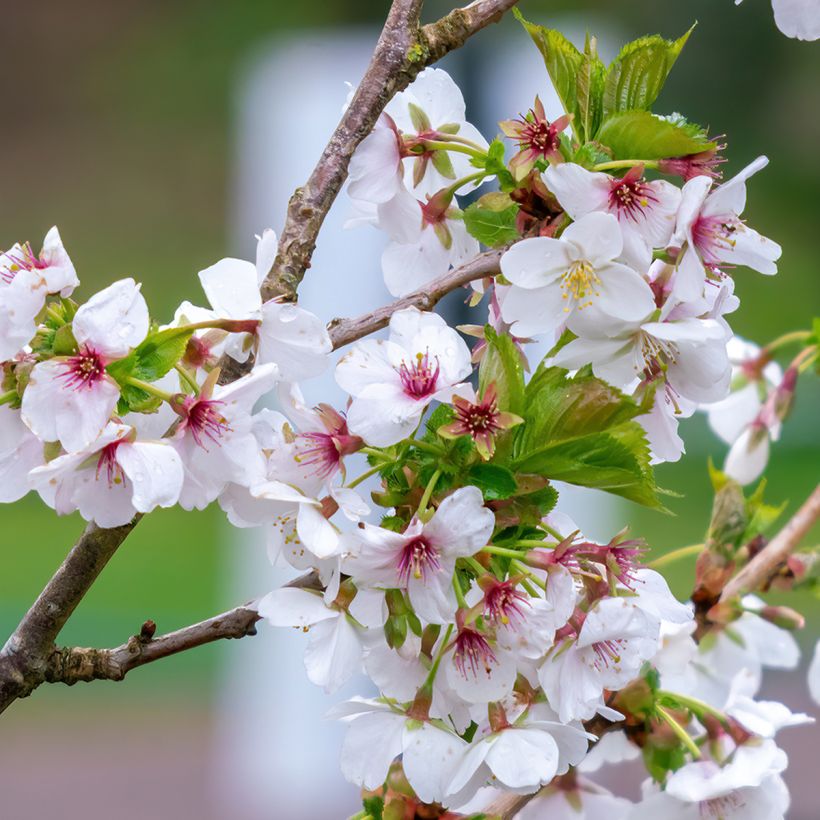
(403, 50)
(765, 563)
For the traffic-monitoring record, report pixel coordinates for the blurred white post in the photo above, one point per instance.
(274, 753)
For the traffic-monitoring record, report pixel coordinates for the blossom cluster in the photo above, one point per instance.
(499, 638)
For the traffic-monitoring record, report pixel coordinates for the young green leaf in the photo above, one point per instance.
(641, 135)
(589, 92)
(491, 226)
(152, 359)
(638, 73)
(562, 59)
(502, 366)
(494, 481)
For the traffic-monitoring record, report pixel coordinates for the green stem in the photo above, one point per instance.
(364, 476)
(507, 553)
(785, 340)
(675, 555)
(438, 145)
(553, 532)
(187, 378)
(452, 189)
(462, 603)
(149, 388)
(372, 451)
(428, 491)
(693, 704)
(532, 543)
(464, 141)
(477, 567)
(624, 163)
(428, 447)
(530, 577)
(679, 731)
(431, 676)
(6, 398)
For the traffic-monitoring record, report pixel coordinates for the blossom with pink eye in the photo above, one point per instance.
(112, 479)
(645, 210)
(537, 138)
(392, 381)
(712, 235)
(422, 558)
(70, 399)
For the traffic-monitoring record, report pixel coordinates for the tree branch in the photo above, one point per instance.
(761, 568)
(345, 331)
(403, 50)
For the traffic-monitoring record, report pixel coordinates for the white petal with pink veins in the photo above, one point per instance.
(579, 191)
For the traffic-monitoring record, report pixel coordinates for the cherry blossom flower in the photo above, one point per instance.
(378, 733)
(289, 336)
(712, 235)
(422, 558)
(334, 652)
(645, 210)
(747, 787)
(522, 756)
(481, 420)
(20, 452)
(53, 265)
(376, 172)
(537, 138)
(575, 798)
(796, 18)
(215, 438)
(393, 381)
(614, 641)
(554, 280)
(112, 479)
(70, 398)
(426, 239)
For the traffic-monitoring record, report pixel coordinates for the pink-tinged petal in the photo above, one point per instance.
(661, 426)
(596, 238)
(382, 423)
(658, 222)
(492, 682)
(747, 247)
(614, 360)
(730, 197)
(294, 339)
(523, 758)
(371, 744)
(536, 262)
(294, 607)
(686, 330)
(114, 320)
(622, 294)
(798, 18)
(636, 252)
(462, 525)
(57, 411)
(432, 597)
(231, 288)
(155, 472)
(107, 504)
(430, 757)
(534, 312)
(59, 273)
(333, 654)
(266, 249)
(437, 94)
(748, 456)
(690, 276)
(401, 218)
(693, 195)
(728, 418)
(408, 267)
(375, 167)
(20, 302)
(579, 191)
(315, 532)
(367, 363)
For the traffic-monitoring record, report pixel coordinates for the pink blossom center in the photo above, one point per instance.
(108, 465)
(504, 603)
(418, 558)
(28, 260)
(205, 421)
(420, 378)
(714, 234)
(83, 370)
(629, 198)
(319, 451)
(473, 653)
(607, 653)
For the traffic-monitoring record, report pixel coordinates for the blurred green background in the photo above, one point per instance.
(118, 127)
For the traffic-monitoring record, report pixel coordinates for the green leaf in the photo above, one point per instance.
(374, 806)
(641, 135)
(582, 430)
(152, 359)
(490, 226)
(636, 76)
(494, 481)
(502, 365)
(134, 400)
(589, 92)
(562, 59)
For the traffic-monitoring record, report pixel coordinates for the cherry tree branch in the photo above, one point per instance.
(402, 51)
(761, 568)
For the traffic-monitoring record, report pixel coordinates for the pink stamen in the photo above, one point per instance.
(607, 652)
(318, 450)
(712, 234)
(473, 653)
(419, 558)
(107, 462)
(631, 195)
(84, 369)
(504, 603)
(205, 421)
(419, 379)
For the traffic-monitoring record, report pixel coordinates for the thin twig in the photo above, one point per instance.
(403, 50)
(761, 568)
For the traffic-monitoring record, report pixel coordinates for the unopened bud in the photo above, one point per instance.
(783, 616)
